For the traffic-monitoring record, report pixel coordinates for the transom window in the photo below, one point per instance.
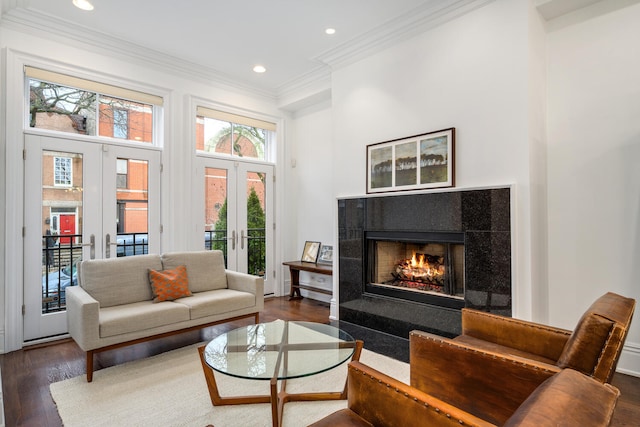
(233, 135)
(69, 104)
(120, 123)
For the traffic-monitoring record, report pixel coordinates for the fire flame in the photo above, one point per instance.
(419, 267)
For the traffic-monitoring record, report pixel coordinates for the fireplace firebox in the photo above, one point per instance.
(416, 266)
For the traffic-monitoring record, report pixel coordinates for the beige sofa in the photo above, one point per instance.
(113, 306)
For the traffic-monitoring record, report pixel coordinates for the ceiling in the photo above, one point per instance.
(224, 39)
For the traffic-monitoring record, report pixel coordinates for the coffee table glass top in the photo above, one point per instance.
(282, 349)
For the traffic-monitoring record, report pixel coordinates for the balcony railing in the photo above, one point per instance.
(60, 256)
(59, 269)
(256, 246)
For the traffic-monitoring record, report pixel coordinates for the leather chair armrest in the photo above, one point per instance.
(569, 398)
(83, 318)
(486, 384)
(386, 402)
(542, 340)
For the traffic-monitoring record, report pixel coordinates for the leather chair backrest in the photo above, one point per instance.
(596, 343)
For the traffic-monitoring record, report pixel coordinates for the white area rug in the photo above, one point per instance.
(170, 390)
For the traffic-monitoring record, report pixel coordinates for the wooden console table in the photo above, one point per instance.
(295, 267)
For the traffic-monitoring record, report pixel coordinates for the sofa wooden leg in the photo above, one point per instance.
(89, 366)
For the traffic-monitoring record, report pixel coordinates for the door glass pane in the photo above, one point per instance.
(132, 199)
(256, 219)
(215, 215)
(61, 225)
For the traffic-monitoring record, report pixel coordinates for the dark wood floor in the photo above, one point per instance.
(27, 373)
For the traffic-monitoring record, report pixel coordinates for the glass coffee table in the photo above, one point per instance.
(276, 352)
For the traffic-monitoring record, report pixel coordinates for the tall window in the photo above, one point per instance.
(68, 104)
(233, 135)
(62, 172)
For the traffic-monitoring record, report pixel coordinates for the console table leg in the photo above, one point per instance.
(295, 284)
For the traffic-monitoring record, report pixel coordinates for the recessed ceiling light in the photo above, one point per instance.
(259, 69)
(330, 31)
(83, 4)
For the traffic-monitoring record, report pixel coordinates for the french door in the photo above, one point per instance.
(237, 202)
(83, 200)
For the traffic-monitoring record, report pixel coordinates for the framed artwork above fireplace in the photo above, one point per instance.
(412, 163)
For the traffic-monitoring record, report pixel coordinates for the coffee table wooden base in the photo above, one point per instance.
(276, 398)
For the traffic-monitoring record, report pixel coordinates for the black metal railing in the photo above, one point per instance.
(60, 257)
(256, 246)
(132, 244)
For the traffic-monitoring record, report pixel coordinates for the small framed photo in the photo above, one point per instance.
(326, 255)
(310, 252)
(413, 163)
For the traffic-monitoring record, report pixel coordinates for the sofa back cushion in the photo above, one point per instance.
(205, 269)
(117, 281)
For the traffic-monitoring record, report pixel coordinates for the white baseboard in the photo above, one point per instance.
(629, 362)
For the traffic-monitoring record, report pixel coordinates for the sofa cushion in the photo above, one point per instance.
(205, 268)
(140, 316)
(117, 281)
(168, 285)
(585, 346)
(220, 301)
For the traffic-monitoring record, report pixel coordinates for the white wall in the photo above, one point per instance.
(472, 74)
(594, 166)
(309, 198)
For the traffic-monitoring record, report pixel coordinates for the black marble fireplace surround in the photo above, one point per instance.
(482, 216)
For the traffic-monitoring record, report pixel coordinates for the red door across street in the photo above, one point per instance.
(67, 227)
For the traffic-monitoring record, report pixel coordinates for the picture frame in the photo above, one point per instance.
(326, 255)
(310, 252)
(413, 163)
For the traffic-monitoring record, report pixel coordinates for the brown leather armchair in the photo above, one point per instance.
(512, 357)
(566, 399)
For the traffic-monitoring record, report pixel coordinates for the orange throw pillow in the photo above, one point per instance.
(168, 285)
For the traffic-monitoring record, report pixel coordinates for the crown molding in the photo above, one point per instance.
(412, 23)
(305, 88)
(50, 27)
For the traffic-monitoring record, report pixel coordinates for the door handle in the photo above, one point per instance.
(107, 245)
(92, 246)
(233, 240)
(242, 237)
